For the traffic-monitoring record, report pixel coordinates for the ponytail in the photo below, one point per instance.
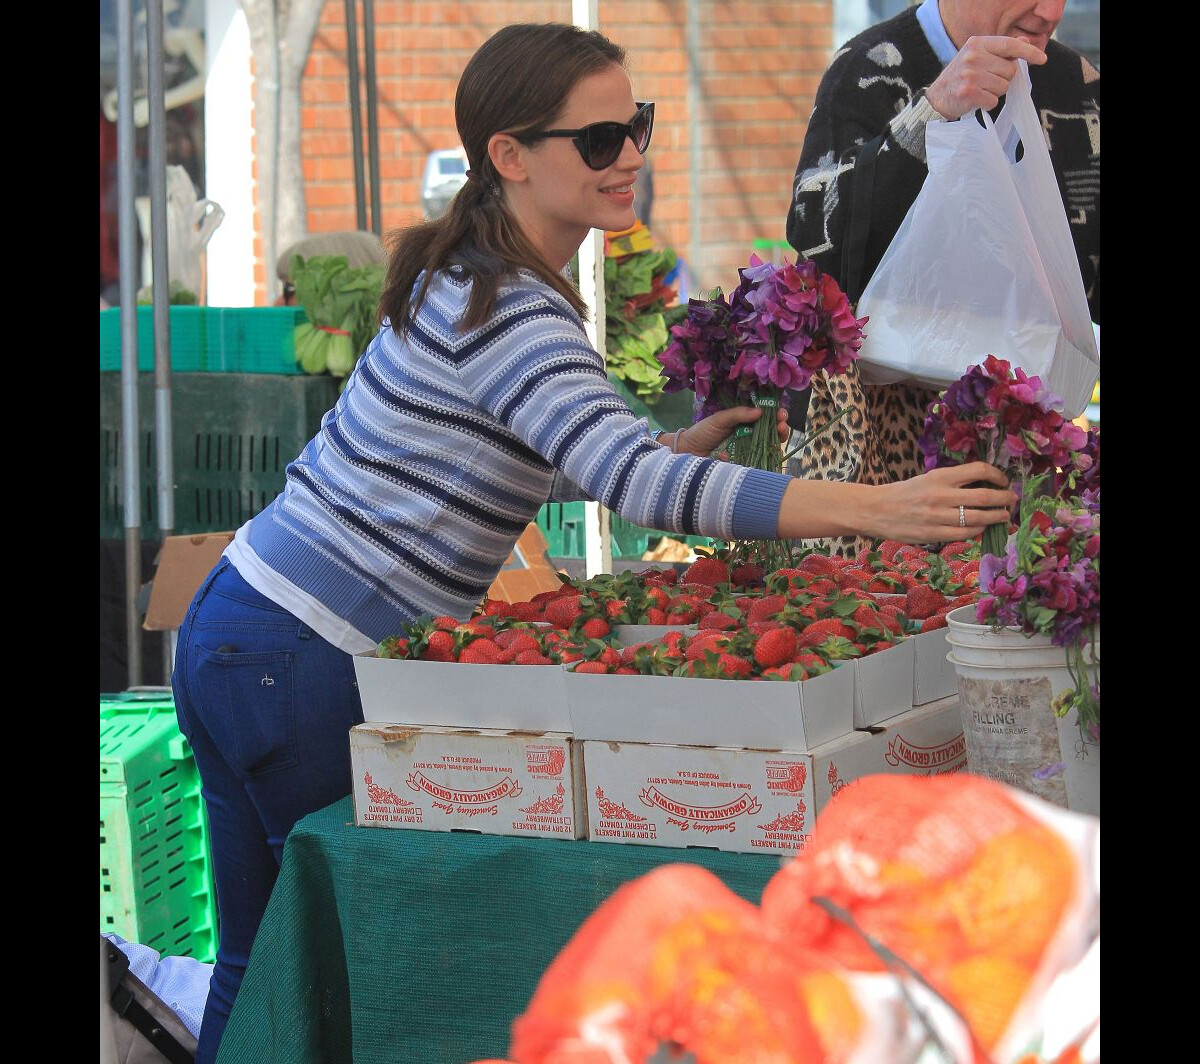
(478, 234)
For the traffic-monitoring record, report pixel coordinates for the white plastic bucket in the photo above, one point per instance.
(1006, 684)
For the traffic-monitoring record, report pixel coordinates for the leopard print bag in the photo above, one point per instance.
(876, 442)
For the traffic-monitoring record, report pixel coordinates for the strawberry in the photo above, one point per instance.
(718, 620)
(955, 549)
(614, 607)
(776, 647)
(525, 611)
(785, 672)
(596, 628)
(708, 571)
(733, 667)
(625, 670)
(655, 616)
(531, 657)
(765, 608)
(563, 610)
(494, 607)
(822, 586)
(597, 667)
(867, 617)
(439, 646)
(938, 620)
(517, 637)
(817, 632)
(923, 601)
(701, 644)
(810, 660)
(762, 627)
(820, 564)
(481, 652)
(888, 549)
(746, 574)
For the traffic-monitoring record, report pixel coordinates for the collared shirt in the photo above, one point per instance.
(930, 19)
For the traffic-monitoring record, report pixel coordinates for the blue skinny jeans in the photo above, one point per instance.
(266, 705)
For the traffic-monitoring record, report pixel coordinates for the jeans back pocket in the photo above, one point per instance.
(249, 707)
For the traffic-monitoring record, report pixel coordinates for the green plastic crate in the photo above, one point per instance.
(562, 525)
(233, 435)
(189, 338)
(156, 884)
(211, 339)
(254, 340)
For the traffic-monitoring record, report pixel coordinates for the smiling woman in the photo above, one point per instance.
(479, 399)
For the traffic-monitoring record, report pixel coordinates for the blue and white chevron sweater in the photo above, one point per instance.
(441, 450)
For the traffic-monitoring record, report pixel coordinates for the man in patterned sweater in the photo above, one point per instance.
(864, 159)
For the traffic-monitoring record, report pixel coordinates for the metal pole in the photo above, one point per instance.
(597, 549)
(695, 201)
(372, 115)
(155, 84)
(127, 233)
(360, 191)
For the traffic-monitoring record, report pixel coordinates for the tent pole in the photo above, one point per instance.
(356, 137)
(159, 237)
(372, 114)
(127, 233)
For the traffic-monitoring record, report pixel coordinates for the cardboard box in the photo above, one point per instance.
(629, 634)
(933, 675)
(760, 801)
(881, 684)
(455, 695)
(926, 741)
(489, 781)
(766, 714)
(528, 571)
(745, 801)
(183, 563)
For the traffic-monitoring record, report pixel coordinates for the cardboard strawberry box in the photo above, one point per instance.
(629, 634)
(882, 684)
(769, 714)
(928, 740)
(746, 801)
(459, 695)
(933, 675)
(489, 781)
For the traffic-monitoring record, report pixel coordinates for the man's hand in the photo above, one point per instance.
(979, 75)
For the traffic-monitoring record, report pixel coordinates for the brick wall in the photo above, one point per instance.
(757, 69)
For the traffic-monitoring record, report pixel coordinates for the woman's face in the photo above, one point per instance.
(562, 198)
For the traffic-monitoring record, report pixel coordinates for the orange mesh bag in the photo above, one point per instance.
(676, 960)
(594, 994)
(961, 882)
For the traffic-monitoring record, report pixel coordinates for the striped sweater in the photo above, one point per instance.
(442, 448)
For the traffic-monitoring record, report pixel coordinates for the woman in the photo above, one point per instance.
(479, 397)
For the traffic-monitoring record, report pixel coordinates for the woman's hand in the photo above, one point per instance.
(707, 435)
(924, 509)
(927, 508)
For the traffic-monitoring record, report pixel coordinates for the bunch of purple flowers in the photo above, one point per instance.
(1047, 582)
(1001, 416)
(782, 325)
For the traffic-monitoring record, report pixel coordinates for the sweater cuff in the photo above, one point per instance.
(908, 127)
(756, 510)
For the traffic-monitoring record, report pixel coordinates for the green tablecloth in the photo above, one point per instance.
(394, 946)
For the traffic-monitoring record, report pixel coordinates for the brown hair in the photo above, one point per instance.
(518, 81)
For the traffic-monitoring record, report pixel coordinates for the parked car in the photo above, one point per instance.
(445, 174)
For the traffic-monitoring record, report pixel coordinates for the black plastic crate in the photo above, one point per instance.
(233, 436)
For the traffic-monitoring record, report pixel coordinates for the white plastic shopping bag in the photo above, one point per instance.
(983, 263)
